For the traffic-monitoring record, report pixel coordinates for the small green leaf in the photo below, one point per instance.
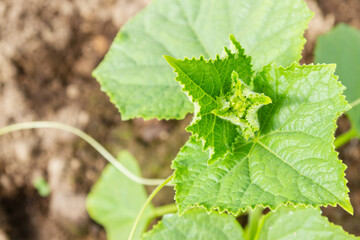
(209, 85)
(196, 225)
(139, 81)
(342, 46)
(290, 160)
(115, 201)
(289, 223)
(42, 187)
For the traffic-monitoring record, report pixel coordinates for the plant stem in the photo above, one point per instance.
(148, 200)
(162, 210)
(344, 138)
(253, 223)
(355, 103)
(87, 138)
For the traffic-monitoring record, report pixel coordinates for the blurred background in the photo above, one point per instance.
(48, 50)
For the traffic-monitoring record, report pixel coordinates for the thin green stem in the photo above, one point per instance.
(355, 103)
(344, 138)
(254, 221)
(162, 210)
(87, 138)
(148, 200)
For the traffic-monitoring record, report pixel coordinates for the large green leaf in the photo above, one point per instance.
(115, 201)
(196, 225)
(289, 223)
(342, 46)
(140, 82)
(290, 160)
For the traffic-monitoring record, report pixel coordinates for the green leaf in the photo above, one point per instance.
(196, 225)
(291, 159)
(212, 87)
(115, 201)
(342, 46)
(140, 82)
(42, 186)
(289, 223)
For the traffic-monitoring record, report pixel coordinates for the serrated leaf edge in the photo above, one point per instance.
(303, 39)
(347, 204)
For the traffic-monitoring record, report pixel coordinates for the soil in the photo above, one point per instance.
(47, 52)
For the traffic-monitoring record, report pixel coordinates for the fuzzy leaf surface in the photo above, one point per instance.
(208, 83)
(115, 201)
(139, 81)
(196, 225)
(342, 46)
(291, 159)
(289, 223)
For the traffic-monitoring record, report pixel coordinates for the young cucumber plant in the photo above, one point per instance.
(263, 126)
(262, 132)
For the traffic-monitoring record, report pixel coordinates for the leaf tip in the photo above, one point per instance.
(346, 205)
(232, 38)
(169, 59)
